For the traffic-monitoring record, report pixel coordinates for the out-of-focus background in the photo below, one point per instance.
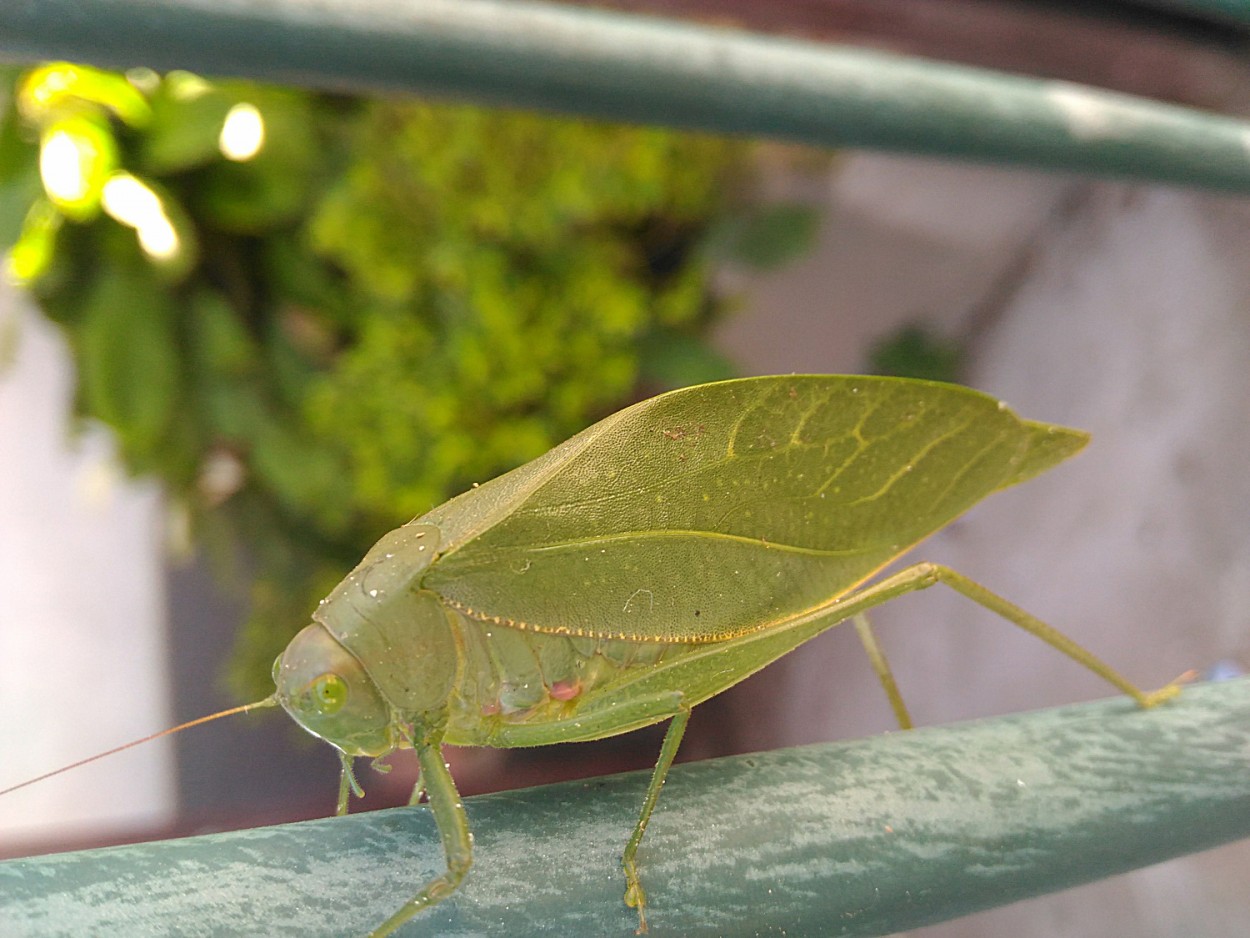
(249, 330)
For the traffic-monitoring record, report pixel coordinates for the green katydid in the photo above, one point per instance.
(645, 565)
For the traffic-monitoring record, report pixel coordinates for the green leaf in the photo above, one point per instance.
(187, 116)
(128, 357)
(671, 359)
(57, 89)
(17, 194)
(32, 255)
(77, 155)
(221, 344)
(163, 230)
(298, 471)
(768, 237)
(271, 188)
(916, 352)
(19, 155)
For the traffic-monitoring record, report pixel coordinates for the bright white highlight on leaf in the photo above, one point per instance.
(159, 239)
(61, 167)
(242, 134)
(132, 203)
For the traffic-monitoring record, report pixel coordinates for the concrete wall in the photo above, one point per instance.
(1124, 311)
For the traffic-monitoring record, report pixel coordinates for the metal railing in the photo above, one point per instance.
(633, 68)
(868, 837)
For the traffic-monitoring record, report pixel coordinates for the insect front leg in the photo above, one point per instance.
(347, 784)
(453, 828)
(635, 896)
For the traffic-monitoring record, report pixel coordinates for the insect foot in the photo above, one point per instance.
(636, 897)
(1167, 691)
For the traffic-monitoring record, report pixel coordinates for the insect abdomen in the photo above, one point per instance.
(511, 676)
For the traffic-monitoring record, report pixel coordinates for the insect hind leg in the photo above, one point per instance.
(923, 575)
(635, 895)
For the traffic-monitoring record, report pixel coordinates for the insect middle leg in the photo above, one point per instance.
(881, 667)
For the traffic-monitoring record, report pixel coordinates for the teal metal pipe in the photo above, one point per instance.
(632, 68)
(1235, 11)
(867, 837)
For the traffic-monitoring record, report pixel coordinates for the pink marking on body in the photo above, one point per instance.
(490, 709)
(566, 690)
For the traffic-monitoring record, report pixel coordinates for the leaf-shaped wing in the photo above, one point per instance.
(714, 511)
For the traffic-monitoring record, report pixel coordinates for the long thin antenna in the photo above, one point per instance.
(271, 701)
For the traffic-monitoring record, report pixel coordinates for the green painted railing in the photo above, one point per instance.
(860, 838)
(635, 68)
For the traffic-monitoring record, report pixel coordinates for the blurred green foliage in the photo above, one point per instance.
(916, 352)
(316, 317)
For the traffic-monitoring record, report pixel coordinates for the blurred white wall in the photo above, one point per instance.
(82, 611)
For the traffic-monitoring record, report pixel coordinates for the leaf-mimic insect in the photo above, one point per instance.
(645, 565)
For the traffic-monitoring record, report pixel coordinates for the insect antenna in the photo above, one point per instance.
(271, 701)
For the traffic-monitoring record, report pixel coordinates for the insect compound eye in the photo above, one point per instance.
(330, 691)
